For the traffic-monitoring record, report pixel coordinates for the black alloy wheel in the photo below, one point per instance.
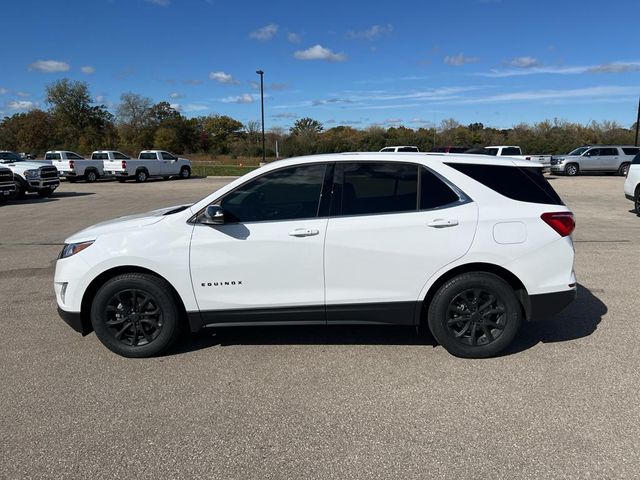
(476, 317)
(134, 317)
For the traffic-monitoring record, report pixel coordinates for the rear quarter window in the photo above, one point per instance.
(631, 151)
(524, 184)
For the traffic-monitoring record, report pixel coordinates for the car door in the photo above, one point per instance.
(609, 159)
(392, 226)
(265, 263)
(169, 164)
(590, 160)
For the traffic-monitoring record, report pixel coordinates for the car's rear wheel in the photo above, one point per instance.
(91, 176)
(475, 315)
(135, 315)
(185, 172)
(571, 170)
(141, 176)
(624, 169)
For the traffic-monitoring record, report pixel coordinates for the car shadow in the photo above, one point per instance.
(34, 198)
(578, 320)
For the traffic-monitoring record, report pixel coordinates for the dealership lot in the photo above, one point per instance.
(307, 402)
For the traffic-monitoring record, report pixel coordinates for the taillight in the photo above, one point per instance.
(72, 164)
(562, 222)
(124, 164)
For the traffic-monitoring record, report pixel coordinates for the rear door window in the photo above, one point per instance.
(511, 151)
(608, 152)
(367, 188)
(525, 184)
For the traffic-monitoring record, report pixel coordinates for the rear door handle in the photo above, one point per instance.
(442, 223)
(304, 232)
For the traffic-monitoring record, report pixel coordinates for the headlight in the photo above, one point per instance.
(31, 173)
(73, 248)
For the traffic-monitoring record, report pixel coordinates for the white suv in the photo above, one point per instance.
(632, 184)
(468, 245)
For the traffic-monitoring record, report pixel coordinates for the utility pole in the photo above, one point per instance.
(637, 123)
(261, 73)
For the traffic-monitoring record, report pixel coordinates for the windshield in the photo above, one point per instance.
(578, 151)
(10, 157)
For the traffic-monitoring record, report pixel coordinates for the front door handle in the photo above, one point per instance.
(442, 223)
(304, 232)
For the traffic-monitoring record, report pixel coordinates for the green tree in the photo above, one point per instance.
(306, 126)
(222, 130)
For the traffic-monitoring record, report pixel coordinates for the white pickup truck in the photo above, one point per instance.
(515, 152)
(150, 163)
(74, 167)
(30, 176)
(7, 184)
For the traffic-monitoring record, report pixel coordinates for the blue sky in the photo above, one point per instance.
(499, 62)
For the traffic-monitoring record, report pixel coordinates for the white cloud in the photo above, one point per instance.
(329, 101)
(161, 3)
(222, 77)
(244, 98)
(21, 105)
(88, 69)
(176, 106)
(49, 66)
(590, 93)
(285, 115)
(318, 52)
(23, 94)
(101, 98)
(195, 107)
(293, 37)
(459, 60)
(524, 62)
(175, 95)
(192, 81)
(613, 67)
(265, 33)
(4, 91)
(372, 32)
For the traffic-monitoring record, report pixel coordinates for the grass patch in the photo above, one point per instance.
(221, 170)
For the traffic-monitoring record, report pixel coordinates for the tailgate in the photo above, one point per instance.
(113, 165)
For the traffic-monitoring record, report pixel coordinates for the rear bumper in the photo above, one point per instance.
(74, 320)
(544, 306)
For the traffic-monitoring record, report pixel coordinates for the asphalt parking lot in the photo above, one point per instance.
(306, 402)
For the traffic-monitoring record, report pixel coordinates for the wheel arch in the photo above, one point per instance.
(514, 282)
(91, 291)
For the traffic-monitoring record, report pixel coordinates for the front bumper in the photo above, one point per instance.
(75, 321)
(544, 306)
(7, 190)
(37, 184)
(558, 168)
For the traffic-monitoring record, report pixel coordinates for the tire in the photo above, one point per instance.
(185, 172)
(624, 169)
(136, 316)
(45, 193)
(571, 170)
(475, 335)
(91, 176)
(636, 202)
(141, 176)
(21, 189)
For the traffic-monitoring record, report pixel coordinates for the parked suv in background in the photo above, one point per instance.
(468, 246)
(632, 184)
(595, 158)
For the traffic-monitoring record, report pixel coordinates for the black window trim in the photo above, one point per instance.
(331, 180)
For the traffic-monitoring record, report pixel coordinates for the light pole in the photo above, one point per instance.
(261, 73)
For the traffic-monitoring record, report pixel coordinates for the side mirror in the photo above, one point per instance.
(213, 215)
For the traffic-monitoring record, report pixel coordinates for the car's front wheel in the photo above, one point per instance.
(135, 315)
(475, 315)
(571, 170)
(185, 172)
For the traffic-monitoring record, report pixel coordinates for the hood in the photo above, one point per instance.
(128, 222)
(22, 166)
